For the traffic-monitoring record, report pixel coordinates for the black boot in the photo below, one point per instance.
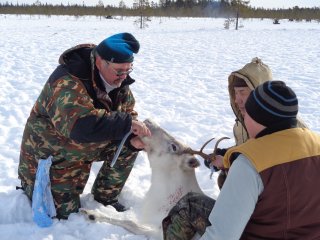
(118, 206)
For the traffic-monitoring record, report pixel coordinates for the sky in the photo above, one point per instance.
(284, 3)
(181, 76)
(255, 3)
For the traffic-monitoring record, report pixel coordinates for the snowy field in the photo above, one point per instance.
(181, 81)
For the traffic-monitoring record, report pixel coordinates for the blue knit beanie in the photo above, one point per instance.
(272, 102)
(118, 48)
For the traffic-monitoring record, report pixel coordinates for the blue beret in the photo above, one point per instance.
(118, 48)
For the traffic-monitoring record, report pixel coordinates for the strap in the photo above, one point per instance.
(115, 158)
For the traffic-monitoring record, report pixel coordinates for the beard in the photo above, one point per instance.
(117, 82)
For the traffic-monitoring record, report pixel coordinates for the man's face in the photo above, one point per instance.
(241, 95)
(113, 73)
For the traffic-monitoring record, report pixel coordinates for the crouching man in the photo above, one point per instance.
(84, 110)
(270, 191)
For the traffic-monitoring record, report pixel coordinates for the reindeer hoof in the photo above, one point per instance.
(87, 213)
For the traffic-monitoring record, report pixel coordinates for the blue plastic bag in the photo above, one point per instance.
(43, 208)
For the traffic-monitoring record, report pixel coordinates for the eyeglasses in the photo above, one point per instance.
(119, 73)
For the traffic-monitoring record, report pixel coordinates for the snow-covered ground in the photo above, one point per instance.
(181, 81)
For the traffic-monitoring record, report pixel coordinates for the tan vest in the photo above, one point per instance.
(289, 165)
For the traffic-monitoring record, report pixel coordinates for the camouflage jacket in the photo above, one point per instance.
(74, 119)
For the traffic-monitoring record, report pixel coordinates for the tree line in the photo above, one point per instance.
(165, 8)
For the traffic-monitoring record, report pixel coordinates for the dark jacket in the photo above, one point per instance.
(73, 120)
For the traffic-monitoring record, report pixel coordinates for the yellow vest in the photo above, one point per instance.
(277, 148)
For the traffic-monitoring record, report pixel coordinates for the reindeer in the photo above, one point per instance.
(173, 175)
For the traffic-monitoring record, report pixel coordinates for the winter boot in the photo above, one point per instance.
(114, 203)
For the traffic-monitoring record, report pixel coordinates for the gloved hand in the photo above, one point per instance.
(221, 151)
(207, 162)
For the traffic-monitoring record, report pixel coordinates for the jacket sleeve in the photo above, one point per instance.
(73, 114)
(236, 201)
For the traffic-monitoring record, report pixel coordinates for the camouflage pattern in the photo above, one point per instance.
(48, 131)
(115, 176)
(188, 217)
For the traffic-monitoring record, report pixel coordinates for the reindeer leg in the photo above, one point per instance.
(129, 225)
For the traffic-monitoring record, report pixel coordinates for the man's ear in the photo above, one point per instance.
(99, 62)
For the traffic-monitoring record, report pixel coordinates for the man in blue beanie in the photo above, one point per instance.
(84, 111)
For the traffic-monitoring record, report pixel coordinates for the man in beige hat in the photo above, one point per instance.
(241, 83)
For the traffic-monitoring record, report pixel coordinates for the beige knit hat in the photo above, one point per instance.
(254, 74)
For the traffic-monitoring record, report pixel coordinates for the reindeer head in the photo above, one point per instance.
(163, 150)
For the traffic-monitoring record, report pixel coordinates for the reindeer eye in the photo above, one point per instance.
(174, 147)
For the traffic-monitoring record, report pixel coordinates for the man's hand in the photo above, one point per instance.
(140, 129)
(218, 162)
(217, 159)
(137, 143)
